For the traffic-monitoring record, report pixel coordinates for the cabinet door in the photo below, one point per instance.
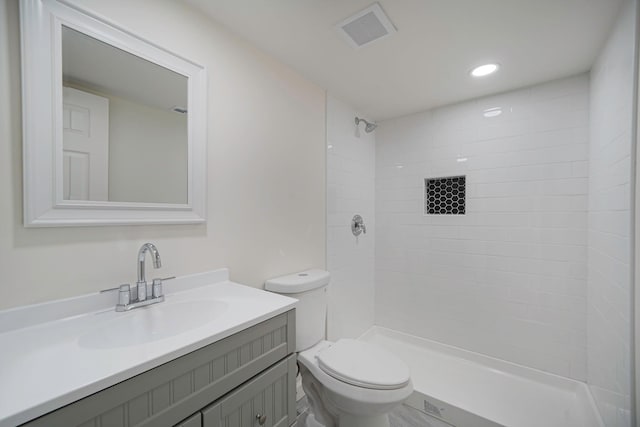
(268, 400)
(193, 421)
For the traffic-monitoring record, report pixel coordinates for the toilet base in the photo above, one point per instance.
(323, 411)
(310, 421)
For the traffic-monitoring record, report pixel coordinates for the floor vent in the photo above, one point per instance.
(366, 26)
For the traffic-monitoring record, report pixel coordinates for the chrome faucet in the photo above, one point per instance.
(144, 296)
(157, 263)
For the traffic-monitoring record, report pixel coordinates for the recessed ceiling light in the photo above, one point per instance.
(484, 70)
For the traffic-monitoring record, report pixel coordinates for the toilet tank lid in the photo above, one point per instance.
(298, 282)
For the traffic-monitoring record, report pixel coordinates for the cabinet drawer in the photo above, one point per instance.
(169, 393)
(271, 394)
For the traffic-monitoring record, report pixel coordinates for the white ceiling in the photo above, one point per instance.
(427, 62)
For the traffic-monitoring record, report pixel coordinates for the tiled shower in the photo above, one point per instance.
(508, 278)
(537, 270)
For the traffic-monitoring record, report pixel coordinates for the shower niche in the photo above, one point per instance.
(445, 196)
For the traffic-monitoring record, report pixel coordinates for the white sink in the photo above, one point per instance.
(153, 323)
(42, 344)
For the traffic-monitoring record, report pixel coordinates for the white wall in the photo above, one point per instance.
(266, 170)
(147, 153)
(507, 279)
(350, 190)
(609, 295)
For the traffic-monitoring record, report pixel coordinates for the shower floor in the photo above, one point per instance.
(467, 389)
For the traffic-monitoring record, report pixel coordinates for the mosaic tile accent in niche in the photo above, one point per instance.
(445, 196)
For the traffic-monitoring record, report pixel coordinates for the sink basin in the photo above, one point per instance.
(153, 323)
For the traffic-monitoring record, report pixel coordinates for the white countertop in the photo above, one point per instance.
(51, 356)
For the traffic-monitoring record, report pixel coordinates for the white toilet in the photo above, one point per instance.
(348, 383)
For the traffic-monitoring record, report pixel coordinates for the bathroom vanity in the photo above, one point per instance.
(170, 364)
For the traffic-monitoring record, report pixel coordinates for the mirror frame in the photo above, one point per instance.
(41, 28)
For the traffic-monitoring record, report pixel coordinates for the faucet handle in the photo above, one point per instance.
(157, 288)
(357, 225)
(124, 294)
(142, 290)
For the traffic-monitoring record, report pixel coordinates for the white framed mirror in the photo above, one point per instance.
(114, 127)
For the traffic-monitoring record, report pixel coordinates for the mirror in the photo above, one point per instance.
(114, 126)
(117, 124)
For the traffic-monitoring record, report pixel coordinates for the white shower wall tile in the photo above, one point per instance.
(350, 191)
(609, 290)
(507, 279)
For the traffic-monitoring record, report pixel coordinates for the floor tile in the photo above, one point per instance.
(402, 416)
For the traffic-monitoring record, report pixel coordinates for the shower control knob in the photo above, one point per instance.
(261, 419)
(357, 226)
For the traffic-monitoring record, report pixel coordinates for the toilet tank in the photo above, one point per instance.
(310, 289)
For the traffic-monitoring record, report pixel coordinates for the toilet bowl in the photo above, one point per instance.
(348, 383)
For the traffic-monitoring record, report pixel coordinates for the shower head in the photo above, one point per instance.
(370, 127)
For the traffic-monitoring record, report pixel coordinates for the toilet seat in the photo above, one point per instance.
(347, 397)
(363, 365)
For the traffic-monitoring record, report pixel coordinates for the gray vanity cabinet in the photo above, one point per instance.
(193, 421)
(263, 401)
(220, 384)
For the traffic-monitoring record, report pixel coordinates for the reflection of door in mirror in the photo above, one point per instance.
(85, 146)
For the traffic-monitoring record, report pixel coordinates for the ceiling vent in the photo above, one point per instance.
(366, 26)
